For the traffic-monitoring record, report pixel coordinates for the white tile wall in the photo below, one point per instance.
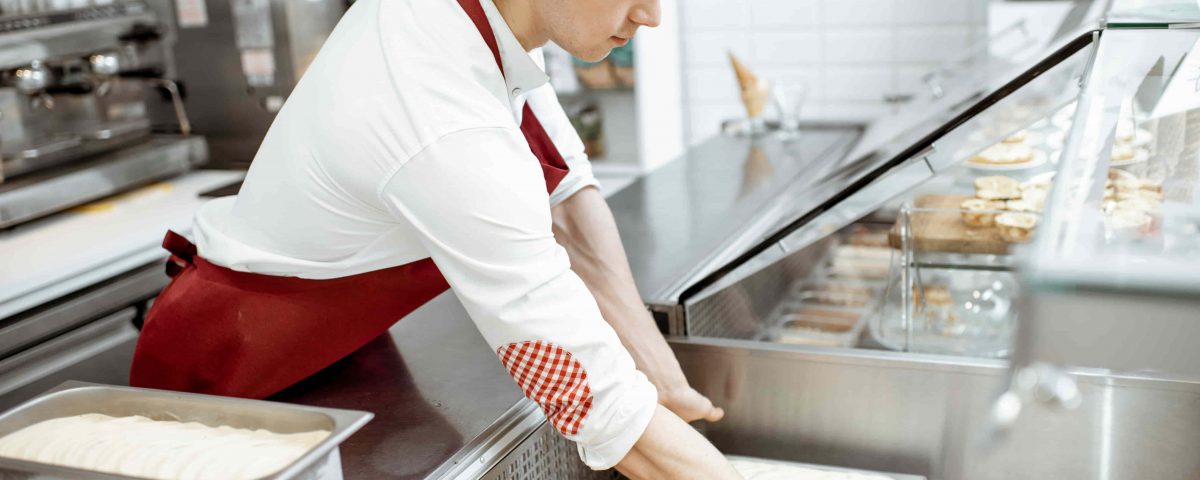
(849, 53)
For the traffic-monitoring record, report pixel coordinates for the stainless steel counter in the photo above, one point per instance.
(432, 383)
(674, 220)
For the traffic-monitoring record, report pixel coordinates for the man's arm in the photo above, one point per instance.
(671, 448)
(584, 225)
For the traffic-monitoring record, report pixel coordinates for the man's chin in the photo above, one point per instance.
(593, 55)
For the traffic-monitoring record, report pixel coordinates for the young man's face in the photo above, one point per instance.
(589, 29)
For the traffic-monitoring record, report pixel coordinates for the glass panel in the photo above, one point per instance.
(1129, 206)
(909, 261)
(1152, 13)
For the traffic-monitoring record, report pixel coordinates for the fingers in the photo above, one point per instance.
(716, 414)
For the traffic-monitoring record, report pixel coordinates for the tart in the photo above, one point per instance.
(1021, 206)
(1129, 221)
(1147, 194)
(1123, 153)
(1016, 227)
(997, 187)
(1035, 197)
(977, 212)
(1016, 138)
(1144, 204)
(1004, 154)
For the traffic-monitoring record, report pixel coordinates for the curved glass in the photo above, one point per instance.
(1127, 210)
(899, 262)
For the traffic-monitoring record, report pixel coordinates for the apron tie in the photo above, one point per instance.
(182, 250)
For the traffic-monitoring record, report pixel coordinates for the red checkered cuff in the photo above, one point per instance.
(550, 376)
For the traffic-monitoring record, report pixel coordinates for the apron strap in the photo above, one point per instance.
(479, 18)
(182, 251)
(554, 167)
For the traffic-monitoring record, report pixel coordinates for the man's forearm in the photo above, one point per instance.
(670, 449)
(584, 225)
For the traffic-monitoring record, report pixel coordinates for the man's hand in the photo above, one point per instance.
(584, 226)
(689, 404)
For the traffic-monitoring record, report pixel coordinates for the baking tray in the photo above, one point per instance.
(892, 476)
(77, 398)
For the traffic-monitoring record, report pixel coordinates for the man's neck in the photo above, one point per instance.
(523, 21)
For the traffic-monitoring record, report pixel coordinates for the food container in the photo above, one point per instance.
(824, 313)
(76, 398)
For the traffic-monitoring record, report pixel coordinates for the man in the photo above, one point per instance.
(423, 150)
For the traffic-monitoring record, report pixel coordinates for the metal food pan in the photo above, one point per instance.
(827, 331)
(77, 398)
(891, 476)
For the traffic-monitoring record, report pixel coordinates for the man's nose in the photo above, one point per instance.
(647, 14)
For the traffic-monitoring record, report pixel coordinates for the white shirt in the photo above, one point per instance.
(402, 142)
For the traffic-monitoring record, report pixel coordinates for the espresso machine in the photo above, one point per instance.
(79, 81)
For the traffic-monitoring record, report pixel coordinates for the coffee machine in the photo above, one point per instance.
(79, 80)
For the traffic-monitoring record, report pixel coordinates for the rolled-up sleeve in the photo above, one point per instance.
(479, 201)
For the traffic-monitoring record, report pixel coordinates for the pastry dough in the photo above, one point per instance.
(758, 470)
(141, 447)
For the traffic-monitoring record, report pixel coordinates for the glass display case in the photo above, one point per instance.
(1002, 283)
(908, 243)
(1118, 263)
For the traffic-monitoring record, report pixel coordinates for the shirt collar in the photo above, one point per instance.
(521, 72)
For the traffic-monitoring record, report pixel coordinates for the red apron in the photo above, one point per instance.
(219, 331)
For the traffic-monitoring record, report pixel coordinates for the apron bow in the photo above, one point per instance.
(182, 251)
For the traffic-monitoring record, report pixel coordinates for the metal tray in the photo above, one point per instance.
(76, 398)
(892, 476)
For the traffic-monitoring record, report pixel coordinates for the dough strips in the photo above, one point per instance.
(757, 470)
(139, 446)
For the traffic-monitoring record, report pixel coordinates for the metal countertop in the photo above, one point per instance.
(432, 383)
(677, 219)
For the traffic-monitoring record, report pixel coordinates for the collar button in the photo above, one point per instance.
(517, 91)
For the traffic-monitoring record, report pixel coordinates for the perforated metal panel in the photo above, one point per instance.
(546, 455)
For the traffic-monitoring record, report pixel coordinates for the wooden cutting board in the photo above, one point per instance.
(944, 230)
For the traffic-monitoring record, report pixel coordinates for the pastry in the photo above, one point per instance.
(1147, 194)
(1016, 227)
(762, 470)
(1150, 186)
(1127, 184)
(1126, 133)
(1043, 183)
(1123, 153)
(1018, 137)
(1035, 197)
(140, 447)
(933, 295)
(1004, 154)
(977, 212)
(1144, 204)
(1129, 221)
(1021, 206)
(997, 187)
